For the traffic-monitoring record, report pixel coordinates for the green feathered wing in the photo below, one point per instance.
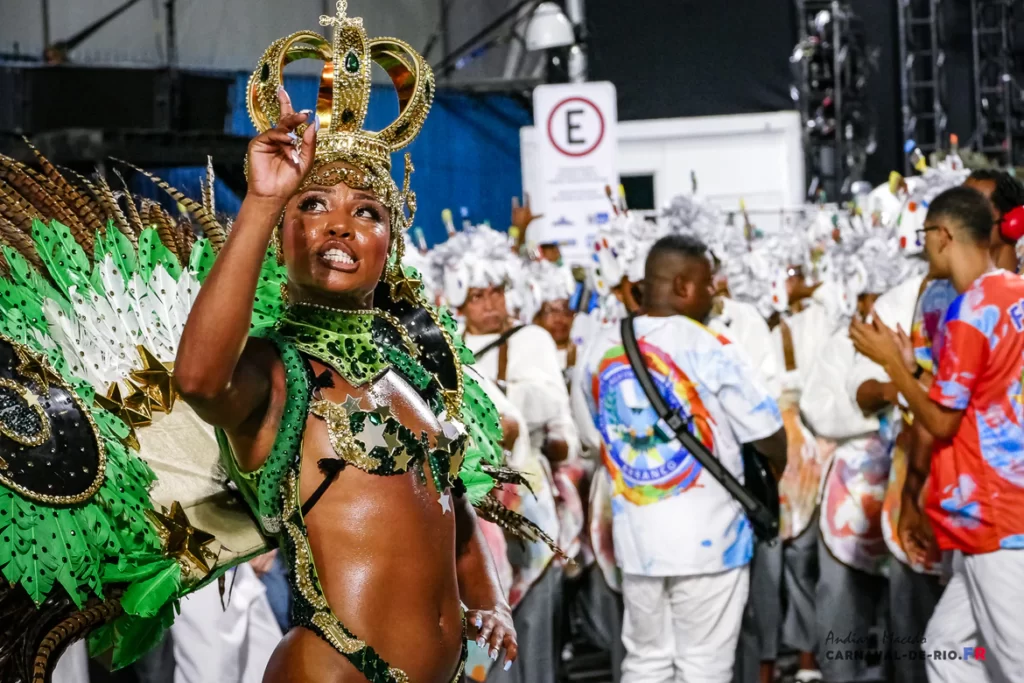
(95, 290)
(86, 277)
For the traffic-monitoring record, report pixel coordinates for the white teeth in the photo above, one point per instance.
(338, 256)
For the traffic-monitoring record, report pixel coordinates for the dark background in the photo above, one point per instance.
(673, 58)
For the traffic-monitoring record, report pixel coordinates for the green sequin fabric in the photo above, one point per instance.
(343, 340)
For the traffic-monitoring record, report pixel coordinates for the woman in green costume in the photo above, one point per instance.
(344, 429)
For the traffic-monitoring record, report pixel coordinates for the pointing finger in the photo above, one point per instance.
(285, 102)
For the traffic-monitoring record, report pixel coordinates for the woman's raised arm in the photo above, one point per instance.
(218, 372)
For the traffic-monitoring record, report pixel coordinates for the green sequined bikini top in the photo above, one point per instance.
(357, 346)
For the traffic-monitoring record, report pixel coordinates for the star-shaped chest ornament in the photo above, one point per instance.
(183, 541)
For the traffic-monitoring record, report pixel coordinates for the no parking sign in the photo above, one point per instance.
(577, 149)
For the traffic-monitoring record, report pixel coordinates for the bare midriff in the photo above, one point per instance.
(384, 552)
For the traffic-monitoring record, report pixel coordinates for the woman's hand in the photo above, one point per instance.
(494, 632)
(279, 159)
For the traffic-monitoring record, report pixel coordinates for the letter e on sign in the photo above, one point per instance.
(576, 127)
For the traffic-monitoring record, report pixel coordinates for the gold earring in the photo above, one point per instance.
(278, 247)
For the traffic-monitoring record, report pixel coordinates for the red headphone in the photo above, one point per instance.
(1011, 227)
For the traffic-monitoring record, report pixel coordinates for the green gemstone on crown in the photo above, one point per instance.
(351, 63)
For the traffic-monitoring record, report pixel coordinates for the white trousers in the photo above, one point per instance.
(233, 645)
(981, 607)
(682, 629)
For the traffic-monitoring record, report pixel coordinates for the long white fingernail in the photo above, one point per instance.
(481, 643)
(296, 158)
(479, 622)
(293, 137)
(494, 655)
(316, 123)
(280, 89)
(508, 665)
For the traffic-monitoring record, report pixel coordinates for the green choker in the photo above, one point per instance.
(359, 345)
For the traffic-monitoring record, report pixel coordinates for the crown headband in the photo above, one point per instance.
(344, 98)
(345, 82)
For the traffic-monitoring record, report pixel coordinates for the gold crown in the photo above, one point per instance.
(345, 89)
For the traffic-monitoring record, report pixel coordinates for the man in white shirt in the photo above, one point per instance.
(679, 537)
(523, 362)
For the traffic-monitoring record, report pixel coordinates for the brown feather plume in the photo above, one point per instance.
(82, 207)
(106, 204)
(207, 222)
(490, 509)
(211, 228)
(37, 191)
(17, 210)
(209, 202)
(155, 217)
(134, 219)
(20, 241)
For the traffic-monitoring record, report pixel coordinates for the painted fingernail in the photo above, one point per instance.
(481, 643)
(296, 158)
(479, 622)
(280, 89)
(293, 137)
(508, 665)
(494, 655)
(316, 123)
(309, 115)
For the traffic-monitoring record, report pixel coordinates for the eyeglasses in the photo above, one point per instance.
(921, 232)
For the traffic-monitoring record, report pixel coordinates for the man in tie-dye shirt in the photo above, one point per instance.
(681, 541)
(975, 410)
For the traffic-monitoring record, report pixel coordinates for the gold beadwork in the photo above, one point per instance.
(339, 639)
(340, 434)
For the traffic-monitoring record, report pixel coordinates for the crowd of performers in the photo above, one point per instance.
(865, 550)
(301, 446)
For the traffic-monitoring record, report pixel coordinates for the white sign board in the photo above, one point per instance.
(576, 154)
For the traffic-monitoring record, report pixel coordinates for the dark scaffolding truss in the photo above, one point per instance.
(832, 63)
(998, 68)
(922, 75)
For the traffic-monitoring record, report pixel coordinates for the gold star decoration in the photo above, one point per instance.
(155, 379)
(392, 440)
(406, 288)
(442, 440)
(182, 540)
(383, 411)
(456, 461)
(402, 461)
(34, 368)
(134, 410)
(352, 405)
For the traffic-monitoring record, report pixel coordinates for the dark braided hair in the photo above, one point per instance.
(1009, 192)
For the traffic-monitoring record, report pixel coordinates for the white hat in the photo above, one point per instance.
(479, 257)
(544, 282)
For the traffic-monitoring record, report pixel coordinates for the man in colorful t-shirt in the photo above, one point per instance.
(680, 539)
(975, 409)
